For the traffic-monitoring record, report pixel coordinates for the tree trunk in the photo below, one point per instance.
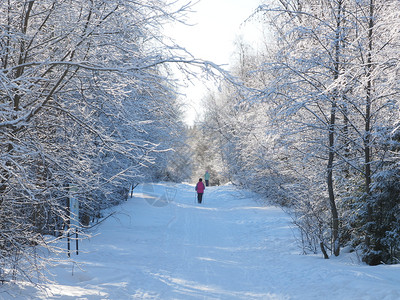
(332, 124)
(367, 139)
(321, 244)
(331, 156)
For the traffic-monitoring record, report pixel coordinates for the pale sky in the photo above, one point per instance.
(217, 24)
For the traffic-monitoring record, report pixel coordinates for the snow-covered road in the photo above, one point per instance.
(160, 244)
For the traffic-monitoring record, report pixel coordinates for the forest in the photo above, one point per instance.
(90, 108)
(315, 127)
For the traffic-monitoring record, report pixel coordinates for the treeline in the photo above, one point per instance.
(316, 126)
(86, 110)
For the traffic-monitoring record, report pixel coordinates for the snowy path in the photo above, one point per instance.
(162, 245)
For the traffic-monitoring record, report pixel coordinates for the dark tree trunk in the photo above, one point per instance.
(367, 139)
(332, 129)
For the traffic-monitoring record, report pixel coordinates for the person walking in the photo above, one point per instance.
(207, 177)
(200, 190)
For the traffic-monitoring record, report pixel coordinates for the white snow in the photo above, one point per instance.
(160, 244)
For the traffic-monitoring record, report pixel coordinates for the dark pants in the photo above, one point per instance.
(199, 197)
(206, 182)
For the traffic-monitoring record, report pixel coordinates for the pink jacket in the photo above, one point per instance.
(200, 187)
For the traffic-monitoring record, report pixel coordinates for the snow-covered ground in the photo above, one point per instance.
(160, 244)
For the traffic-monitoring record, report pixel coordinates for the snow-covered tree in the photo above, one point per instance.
(382, 207)
(84, 97)
(311, 127)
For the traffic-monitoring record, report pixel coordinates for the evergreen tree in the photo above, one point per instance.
(379, 214)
